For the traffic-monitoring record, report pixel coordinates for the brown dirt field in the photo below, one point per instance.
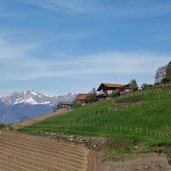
(20, 152)
(38, 119)
(144, 162)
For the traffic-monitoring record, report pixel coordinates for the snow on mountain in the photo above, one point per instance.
(29, 104)
(28, 97)
(31, 93)
(34, 98)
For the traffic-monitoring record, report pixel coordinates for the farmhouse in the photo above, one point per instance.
(107, 88)
(82, 98)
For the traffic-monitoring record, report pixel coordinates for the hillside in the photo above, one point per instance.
(144, 114)
(131, 124)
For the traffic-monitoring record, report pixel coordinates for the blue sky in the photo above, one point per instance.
(61, 46)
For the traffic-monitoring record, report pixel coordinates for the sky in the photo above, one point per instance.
(71, 46)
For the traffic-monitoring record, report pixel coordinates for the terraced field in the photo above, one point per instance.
(19, 152)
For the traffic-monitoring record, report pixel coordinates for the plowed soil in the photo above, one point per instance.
(19, 152)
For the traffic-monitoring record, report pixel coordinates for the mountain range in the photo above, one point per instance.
(29, 104)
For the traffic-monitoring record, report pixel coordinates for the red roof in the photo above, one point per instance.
(81, 97)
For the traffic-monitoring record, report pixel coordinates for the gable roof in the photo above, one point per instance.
(82, 96)
(110, 86)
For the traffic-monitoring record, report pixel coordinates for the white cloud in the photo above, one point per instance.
(16, 63)
(103, 63)
(11, 50)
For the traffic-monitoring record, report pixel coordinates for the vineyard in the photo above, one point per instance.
(26, 153)
(143, 115)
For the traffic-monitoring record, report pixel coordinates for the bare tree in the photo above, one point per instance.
(160, 74)
(168, 72)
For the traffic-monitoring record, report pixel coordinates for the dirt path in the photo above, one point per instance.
(92, 161)
(38, 119)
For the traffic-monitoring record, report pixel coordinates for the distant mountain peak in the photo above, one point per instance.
(28, 104)
(34, 98)
(29, 97)
(32, 92)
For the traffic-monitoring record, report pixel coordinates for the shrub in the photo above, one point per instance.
(91, 98)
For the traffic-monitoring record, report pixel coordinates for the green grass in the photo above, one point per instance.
(143, 117)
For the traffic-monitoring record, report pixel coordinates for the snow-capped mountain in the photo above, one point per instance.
(35, 98)
(28, 97)
(29, 104)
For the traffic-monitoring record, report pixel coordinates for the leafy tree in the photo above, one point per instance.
(133, 85)
(91, 98)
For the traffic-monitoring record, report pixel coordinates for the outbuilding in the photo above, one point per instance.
(82, 97)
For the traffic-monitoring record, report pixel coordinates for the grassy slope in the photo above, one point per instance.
(141, 119)
(144, 116)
